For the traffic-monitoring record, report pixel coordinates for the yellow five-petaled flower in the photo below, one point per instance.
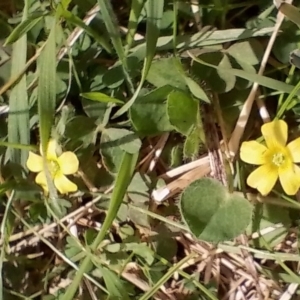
(276, 159)
(59, 166)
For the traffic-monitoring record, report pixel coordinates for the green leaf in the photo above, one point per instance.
(141, 250)
(18, 118)
(295, 58)
(111, 154)
(286, 42)
(217, 79)
(196, 89)
(192, 144)
(95, 96)
(46, 104)
(21, 30)
(81, 128)
(182, 111)
(211, 213)
(159, 74)
(114, 141)
(110, 21)
(154, 12)
(123, 138)
(47, 87)
(250, 52)
(114, 284)
(149, 113)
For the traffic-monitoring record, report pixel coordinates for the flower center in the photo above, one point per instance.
(278, 159)
(53, 167)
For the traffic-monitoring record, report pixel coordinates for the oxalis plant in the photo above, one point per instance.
(163, 84)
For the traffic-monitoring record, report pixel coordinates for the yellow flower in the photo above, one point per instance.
(66, 164)
(276, 159)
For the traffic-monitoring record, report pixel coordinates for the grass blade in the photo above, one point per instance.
(261, 80)
(122, 181)
(22, 29)
(47, 98)
(112, 27)
(18, 118)
(47, 87)
(71, 18)
(135, 12)
(154, 10)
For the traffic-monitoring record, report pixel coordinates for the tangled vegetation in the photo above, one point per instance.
(149, 149)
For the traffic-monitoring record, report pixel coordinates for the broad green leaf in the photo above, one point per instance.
(111, 154)
(182, 111)
(18, 117)
(192, 144)
(217, 80)
(95, 109)
(295, 58)
(196, 89)
(141, 250)
(241, 83)
(149, 112)
(114, 141)
(286, 42)
(96, 96)
(211, 213)
(123, 138)
(21, 30)
(81, 128)
(159, 74)
(250, 51)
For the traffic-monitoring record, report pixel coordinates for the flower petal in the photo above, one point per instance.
(68, 163)
(253, 153)
(275, 133)
(294, 148)
(34, 162)
(64, 185)
(263, 178)
(290, 179)
(51, 150)
(41, 180)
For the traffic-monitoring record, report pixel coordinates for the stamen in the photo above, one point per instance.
(53, 167)
(278, 159)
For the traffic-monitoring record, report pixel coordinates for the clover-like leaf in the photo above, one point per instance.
(182, 111)
(149, 113)
(211, 213)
